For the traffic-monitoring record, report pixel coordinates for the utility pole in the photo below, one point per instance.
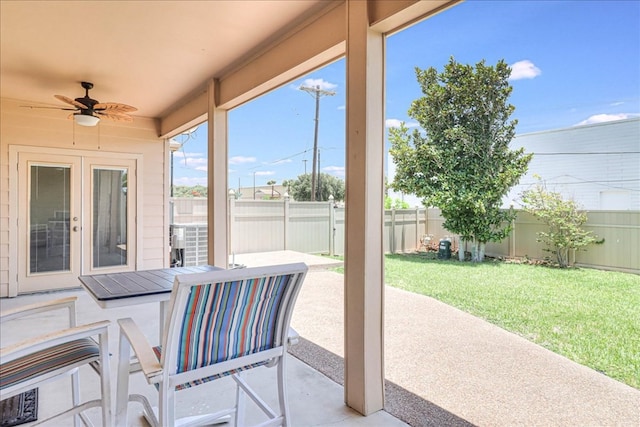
(305, 166)
(316, 92)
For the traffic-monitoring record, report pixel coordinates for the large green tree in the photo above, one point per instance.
(189, 191)
(300, 188)
(460, 160)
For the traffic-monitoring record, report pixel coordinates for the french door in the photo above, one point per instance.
(74, 217)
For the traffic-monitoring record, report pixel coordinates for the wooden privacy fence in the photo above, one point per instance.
(318, 227)
(619, 229)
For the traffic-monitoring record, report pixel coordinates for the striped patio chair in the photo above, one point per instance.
(34, 361)
(220, 323)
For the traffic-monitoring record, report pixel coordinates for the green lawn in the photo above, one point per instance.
(589, 316)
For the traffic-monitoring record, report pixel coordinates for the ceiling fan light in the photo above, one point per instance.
(86, 119)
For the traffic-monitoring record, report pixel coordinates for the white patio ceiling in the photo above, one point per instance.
(149, 54)
(157, 55)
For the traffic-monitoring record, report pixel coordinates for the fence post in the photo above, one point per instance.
(392, 232)
(426, 220)
(230, 223)
(512, 248)
(418, 235)
(332, 226)
(286, 219)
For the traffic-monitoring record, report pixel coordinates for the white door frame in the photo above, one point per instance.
(14, 199)
(61, 236)
(89, 165)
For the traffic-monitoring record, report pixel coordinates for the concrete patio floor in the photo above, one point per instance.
(443, 367)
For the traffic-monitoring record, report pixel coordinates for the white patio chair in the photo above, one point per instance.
(220, 323)
(34, 361)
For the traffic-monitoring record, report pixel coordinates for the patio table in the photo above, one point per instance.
(113, 290)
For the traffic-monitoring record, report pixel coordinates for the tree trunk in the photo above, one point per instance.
(477, 251)
(563, 255)
(481, 252)
(461, 250)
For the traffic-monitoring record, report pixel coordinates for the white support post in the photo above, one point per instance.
(364, 253)
(217, 212)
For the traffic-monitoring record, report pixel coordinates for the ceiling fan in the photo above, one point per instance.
(88, 111)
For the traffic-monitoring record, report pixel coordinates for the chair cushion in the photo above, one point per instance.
(158, 353)
(70, 354)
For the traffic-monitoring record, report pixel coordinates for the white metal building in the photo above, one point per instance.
(596, 165)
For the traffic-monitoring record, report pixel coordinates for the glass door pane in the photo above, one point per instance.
(49, 228)
(109, 217)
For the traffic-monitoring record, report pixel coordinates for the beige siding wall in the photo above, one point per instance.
(49, 128)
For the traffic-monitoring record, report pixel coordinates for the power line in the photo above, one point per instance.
(580, 181)
(585, 181)
(273, 162)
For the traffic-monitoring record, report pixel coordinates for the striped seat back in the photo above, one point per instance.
(230, 319)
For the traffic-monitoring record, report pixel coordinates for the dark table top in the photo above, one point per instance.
(131, 284)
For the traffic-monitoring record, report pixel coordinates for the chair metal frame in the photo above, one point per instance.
(32, 346)
(164, 372)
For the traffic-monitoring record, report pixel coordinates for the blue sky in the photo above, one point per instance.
(574, 62)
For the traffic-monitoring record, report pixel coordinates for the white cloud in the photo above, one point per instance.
(601, 118)
(238, 160)
(195, 161)
(615, 104)
(324, 85)
(395, 123)
(190, 181)
(191, 162)
(264, 173)
(524, 69)
(334, 170)
(342, 107)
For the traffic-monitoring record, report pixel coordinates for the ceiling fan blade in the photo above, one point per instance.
(49, 108)
(115, 117)
(114, 108)
(71, 101)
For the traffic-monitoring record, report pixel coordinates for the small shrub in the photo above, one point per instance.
(564, 219)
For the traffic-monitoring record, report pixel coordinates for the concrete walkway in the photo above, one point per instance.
(446, 367)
